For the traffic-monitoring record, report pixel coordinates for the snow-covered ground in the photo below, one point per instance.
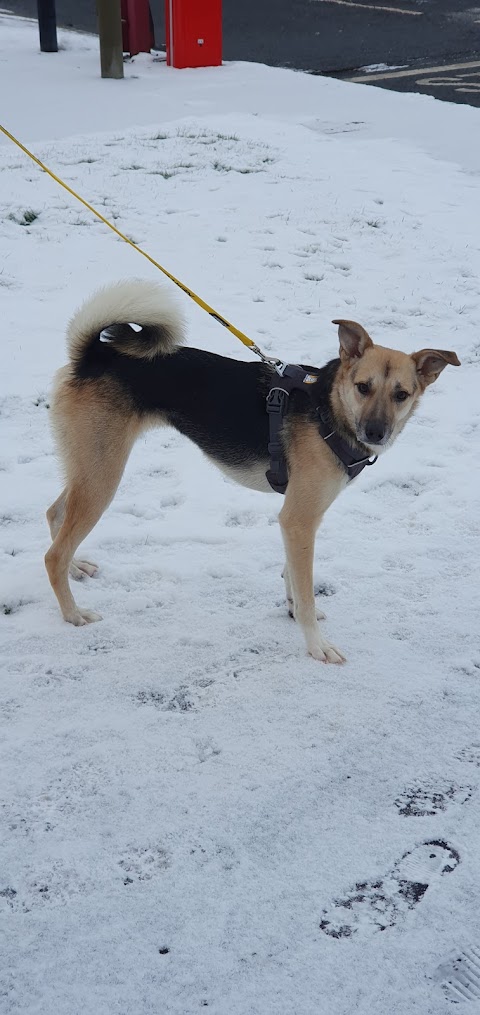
(203, 817)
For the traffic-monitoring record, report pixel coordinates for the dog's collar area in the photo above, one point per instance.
(293, 378)
(353, 461)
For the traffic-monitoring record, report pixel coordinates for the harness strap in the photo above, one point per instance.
(292, 377)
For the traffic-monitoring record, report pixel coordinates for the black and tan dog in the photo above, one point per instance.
(124, 377)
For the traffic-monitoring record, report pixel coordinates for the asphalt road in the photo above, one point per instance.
(428, 39)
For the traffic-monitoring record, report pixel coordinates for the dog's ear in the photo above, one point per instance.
(353, 339)
(429, 363)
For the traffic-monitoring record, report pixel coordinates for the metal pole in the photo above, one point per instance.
(47, 26)
(110, 32)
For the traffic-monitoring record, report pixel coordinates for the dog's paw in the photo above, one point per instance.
(80, 568)
(324, 652)
(81, 617)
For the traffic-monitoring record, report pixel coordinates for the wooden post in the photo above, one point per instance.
(47, 26)
(110, 32)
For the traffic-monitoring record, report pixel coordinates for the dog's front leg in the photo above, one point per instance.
(299, 520)
(289, 596)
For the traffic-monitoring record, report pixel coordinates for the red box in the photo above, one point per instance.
(137, 27)
(194, 33)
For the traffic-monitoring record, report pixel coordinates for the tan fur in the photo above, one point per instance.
(96, 427)
(354, 409)
(315, 480)
(95, 431)
(386, 371)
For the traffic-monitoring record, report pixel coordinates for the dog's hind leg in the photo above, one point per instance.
(86, 499)
(95, 435)
(55, 516)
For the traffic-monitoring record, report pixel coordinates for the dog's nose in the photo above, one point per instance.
(374, 431)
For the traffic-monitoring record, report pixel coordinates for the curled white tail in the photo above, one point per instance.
(114, 309)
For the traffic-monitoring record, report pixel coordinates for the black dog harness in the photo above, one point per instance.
(294, 378)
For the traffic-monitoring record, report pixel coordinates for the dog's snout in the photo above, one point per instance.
(375, 431)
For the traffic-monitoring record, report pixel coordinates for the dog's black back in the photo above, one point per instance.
(219, 403)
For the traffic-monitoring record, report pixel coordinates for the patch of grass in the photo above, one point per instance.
(26, 219)
(220, 167)
(29, 216)
(173, 171)
(183, 132)
(226, 137)
(166, 173)
(205, 137)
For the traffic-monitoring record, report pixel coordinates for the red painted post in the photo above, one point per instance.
(137, 30)
(194, 33)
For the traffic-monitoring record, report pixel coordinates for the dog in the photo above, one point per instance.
(129, 370)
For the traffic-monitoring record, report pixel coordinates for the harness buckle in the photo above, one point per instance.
(276, 399)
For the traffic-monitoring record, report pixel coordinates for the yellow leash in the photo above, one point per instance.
(197, 299)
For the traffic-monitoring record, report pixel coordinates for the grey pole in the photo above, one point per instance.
(110, 32)
(47, 26)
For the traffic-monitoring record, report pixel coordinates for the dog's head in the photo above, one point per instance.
(377, 389)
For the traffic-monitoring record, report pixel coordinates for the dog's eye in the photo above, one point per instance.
(401, 396)
(363, 388)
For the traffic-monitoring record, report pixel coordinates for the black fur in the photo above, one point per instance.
(219, 403)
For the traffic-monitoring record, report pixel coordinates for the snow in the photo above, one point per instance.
(181, 776)
(372, 68)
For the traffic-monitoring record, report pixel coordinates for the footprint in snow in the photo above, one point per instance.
(206, 749)
(143, 863)
(470, 754)
(459, 975)
(242, 519)
(8, 898)
(407, 488)
(375, 905)
(56, 885)
(180, 700)
(171, 501)
(421, 801)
